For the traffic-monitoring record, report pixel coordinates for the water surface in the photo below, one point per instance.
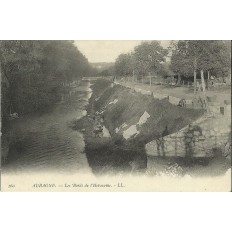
(45, 141)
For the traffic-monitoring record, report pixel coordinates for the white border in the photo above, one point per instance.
(121, 19)
(113, 20)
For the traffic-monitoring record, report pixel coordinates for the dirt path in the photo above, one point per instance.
(181, 91)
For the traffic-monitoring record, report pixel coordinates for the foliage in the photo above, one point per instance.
(36, 73)
(123, 65)
(206, 55)
(146, 57)
(165, 70)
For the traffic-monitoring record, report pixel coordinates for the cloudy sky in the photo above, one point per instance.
(107, 50)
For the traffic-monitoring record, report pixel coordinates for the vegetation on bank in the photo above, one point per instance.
(103, 154)
(131, 106)
(117, 152)
(34, 74)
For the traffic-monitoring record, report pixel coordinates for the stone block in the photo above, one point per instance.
(174, 100)
(212, 98)
(188, 140)
(227, 102)
(196, 133)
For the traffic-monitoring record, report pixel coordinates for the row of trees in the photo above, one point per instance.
(34, 73)
(209, 56)
(188, 57)
(148, 57)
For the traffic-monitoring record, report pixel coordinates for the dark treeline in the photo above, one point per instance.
(35, 73)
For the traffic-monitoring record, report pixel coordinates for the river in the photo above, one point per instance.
(45, 141)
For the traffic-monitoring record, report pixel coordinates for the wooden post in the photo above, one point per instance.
(150, 78)
(203, 89)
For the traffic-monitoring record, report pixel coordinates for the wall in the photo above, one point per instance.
(211, 131)
(195, 140)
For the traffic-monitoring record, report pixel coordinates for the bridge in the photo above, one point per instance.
(96, 78)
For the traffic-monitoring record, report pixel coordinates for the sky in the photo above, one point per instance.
(107, 50)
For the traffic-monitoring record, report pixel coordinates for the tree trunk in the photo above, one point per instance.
(179, 79)
(203, 88)
(195, 75)
(195, 81)
(208, 75)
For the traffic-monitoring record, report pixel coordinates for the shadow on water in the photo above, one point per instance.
(108, 159)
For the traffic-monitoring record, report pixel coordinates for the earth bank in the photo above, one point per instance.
(132, 120)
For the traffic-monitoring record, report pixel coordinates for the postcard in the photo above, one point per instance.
(125, 116)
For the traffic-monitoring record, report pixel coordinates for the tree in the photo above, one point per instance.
(36, 72)
(146, 58)
(180, 62)
(192, 56)
(123, 65)
(149, 57)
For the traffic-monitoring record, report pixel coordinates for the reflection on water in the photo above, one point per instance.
(45, 141)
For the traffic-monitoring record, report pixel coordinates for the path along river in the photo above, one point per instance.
(46, 141)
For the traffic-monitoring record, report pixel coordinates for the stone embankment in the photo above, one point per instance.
(202, 138)
(199, 139)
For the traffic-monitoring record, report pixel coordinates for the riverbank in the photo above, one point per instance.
(134, 119)
(104, 154)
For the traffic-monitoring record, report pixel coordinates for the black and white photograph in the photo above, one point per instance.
(115, 115)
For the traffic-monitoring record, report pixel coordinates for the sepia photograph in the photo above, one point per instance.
(115, 115)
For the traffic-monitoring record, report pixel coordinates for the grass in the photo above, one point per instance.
(115, 154)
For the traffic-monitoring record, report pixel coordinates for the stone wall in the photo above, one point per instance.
(212, 131)
(195, 140)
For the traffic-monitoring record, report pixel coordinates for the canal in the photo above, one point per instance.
(46, 141)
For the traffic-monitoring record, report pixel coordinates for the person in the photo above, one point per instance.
(212, 81)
